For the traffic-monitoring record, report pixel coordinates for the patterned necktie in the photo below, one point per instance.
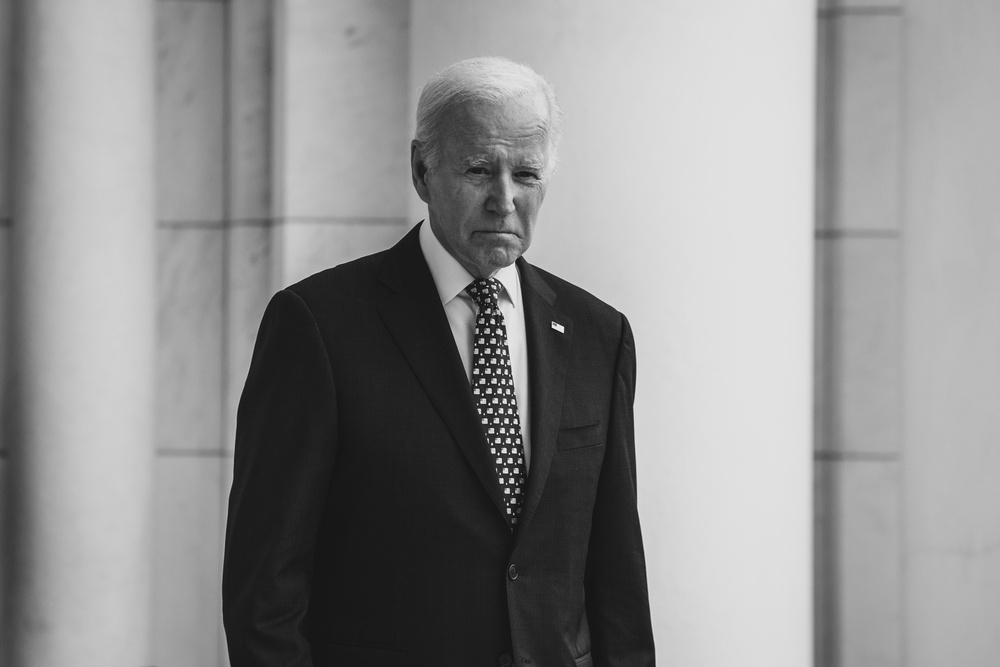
(493, 389)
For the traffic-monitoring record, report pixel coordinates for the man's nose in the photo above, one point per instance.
(501, 195)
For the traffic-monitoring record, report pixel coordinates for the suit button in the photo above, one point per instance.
(512, 572)
(505, 660)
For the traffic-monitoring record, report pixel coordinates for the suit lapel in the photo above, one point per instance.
(548, 356)
(416, 319)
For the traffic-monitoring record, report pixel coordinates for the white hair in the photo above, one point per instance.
(490, 79)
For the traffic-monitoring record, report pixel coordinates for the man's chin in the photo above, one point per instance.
(493, 260)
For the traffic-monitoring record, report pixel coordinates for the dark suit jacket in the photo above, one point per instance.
(366, 524)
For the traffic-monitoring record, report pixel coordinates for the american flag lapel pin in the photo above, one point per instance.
(558, 327)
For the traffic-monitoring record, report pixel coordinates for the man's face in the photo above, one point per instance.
(483, 196)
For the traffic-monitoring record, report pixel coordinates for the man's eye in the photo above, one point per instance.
(478, 171)
(528, 175)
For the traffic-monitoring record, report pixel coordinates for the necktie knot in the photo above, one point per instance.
(484, 291)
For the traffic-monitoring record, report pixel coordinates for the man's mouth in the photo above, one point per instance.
(496, 232)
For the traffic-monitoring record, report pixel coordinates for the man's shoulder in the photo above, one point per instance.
(359, 277)
(344, 278)
(567, 294)
(593, 319)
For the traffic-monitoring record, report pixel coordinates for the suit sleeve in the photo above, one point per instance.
(616, 592)
(285, 448)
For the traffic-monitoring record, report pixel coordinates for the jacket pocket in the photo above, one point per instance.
(578, 437)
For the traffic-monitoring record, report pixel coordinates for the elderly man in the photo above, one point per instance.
(434, 460)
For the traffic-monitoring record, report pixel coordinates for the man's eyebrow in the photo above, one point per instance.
(479, 160)
(475, 160)
(533, 164)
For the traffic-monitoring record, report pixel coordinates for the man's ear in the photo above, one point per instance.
(418, 171)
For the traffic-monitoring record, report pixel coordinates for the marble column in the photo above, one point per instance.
(341, 169)
(950, 280)
(83, 314)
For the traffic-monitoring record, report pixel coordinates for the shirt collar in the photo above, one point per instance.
(451, 278)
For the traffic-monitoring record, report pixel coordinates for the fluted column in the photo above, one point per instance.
(83, 313)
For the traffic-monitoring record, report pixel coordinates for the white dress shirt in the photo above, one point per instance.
(451, 279)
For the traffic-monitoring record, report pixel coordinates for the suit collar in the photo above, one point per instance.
(413, 313)
(550, 335)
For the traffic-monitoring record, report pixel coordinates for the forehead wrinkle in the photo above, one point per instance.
(492, 151)
(490, 136)
(499, 137)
